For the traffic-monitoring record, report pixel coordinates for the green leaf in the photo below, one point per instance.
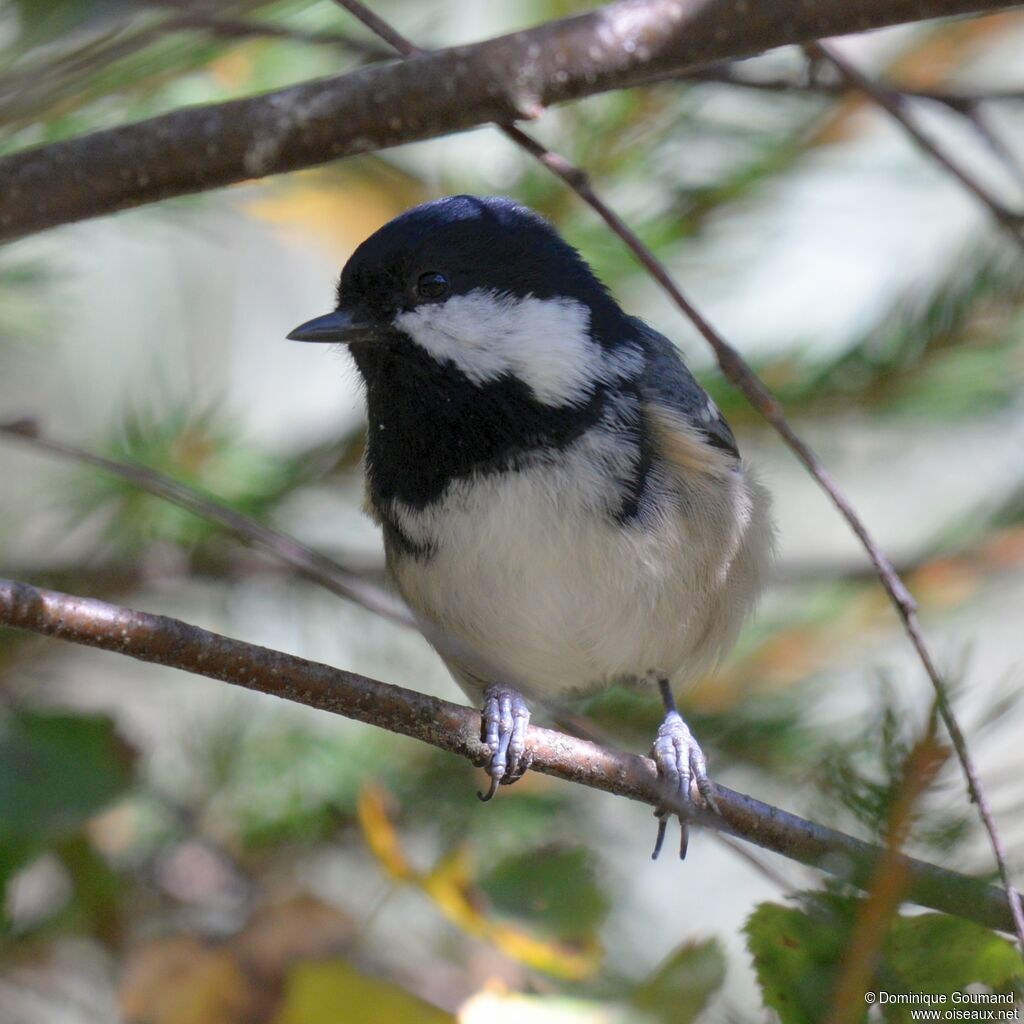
(681, 987)
(936, 953)
(799, 955)
(325, 993)
(553, 888)
(94, 908)
(796, 957)
(57, 770)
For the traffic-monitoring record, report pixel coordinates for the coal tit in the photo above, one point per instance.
(563, 506)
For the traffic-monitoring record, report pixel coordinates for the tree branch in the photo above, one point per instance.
(958, 100)
(240, 28)
(342, 580)
(503, 79)
(456, 729)
(893, 103)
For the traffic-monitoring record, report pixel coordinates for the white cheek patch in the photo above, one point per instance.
(546, 343)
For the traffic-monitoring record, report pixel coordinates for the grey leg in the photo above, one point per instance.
(680, 761)
(504, 721)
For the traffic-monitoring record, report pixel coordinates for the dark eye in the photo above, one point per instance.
(432, 285)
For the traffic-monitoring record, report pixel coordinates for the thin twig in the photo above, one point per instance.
(727, 74)
(166, 641)
(969, 104)
(758, 863)
(892, 102)
(241, 28)
(342, 580)
(739, 372)
(979, 121)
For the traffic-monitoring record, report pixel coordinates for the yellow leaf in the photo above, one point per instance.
(450, 886)
(380, 834)
(332, 992)
(550, 957)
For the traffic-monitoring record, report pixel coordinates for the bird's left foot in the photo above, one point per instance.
(680, 762)
(504, 721)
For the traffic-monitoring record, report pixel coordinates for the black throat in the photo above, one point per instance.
(429, 425)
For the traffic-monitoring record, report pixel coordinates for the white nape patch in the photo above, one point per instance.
(545, 343)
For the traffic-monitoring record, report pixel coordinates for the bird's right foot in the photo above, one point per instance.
(680, 762)
(503, 724)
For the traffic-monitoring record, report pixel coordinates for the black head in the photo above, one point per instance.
(484, 340)
(454, 246)
(460, 244)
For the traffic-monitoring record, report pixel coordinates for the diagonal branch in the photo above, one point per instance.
(893, 103)
(314, 565)
(456, 729)
(223, 27)
(742, 376)
(957, 100)
(503, 79)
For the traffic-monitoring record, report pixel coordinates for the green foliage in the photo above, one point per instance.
(862, 773)
(199, 449)
(76, 62)
(799, 955)
(936, 953)
(554, 888)
(42, 20)
(765, 730)
(678, 991)
(56, 771)
(433, 792)
(96, 907)
(946, 350)
(290, 784)
(24, 318)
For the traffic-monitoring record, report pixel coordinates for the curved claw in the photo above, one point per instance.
(659, 842)
(489, 795)
(503, 724)
(680, 762)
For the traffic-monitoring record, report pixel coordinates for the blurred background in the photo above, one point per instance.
(172, 849)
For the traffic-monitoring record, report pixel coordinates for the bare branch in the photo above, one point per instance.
(503, 79)
(960, 101)
(893, 102)
(241, 28)
(450, 727)
(339, 579)
(742, 376)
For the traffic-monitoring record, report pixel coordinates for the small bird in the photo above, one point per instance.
(563, 506)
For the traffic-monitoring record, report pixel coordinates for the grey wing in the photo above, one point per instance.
(668, 382)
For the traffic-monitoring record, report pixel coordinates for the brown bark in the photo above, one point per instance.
(503, 79)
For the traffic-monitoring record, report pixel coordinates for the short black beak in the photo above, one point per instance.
(339, 327)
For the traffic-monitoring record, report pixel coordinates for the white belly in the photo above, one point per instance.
(534, 582)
